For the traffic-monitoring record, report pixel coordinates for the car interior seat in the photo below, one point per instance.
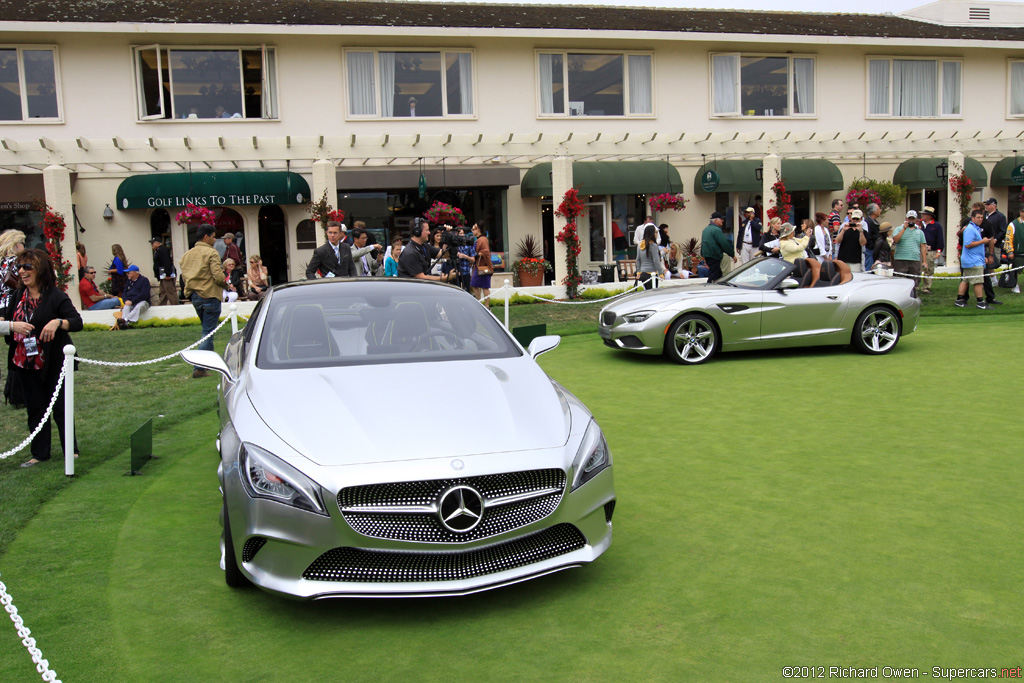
(409, 328)
(829, 274)
(308, 334)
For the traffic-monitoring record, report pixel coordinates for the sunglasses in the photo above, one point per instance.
(26, 266)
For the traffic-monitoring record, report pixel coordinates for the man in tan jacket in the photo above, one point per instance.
(204, 285)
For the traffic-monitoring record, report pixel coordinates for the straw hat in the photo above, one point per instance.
(787, 230)
(884, 227)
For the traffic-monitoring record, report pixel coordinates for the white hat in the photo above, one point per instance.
(911, 214)
(857, 213)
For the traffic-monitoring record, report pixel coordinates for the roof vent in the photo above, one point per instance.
(979, 13)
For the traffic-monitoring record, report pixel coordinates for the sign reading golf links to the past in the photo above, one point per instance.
(1018, 174)
(213, 188)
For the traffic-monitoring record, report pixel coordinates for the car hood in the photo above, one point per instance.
(656, 298)
(380, 413)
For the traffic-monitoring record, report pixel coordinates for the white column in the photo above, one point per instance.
(771, 174)
(179, 245)
(57, 188)
(736, 216)
(956, 165)
(561, 182)
(324, 179)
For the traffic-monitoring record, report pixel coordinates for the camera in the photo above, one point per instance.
(450, 237)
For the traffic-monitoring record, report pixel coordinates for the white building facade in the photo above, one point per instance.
(498, 108)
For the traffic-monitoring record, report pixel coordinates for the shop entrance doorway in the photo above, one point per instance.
(273, 243)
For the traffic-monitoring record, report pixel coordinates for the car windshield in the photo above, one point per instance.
(379, 321)
(755, 274)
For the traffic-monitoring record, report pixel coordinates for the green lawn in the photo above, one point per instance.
(811, 507)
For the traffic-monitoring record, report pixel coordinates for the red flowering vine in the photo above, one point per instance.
(53, 232)
(322, 211)
(783, 205)
(963, 187)
(571, 208)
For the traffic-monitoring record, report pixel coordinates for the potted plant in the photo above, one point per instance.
(691, 252)
(529, 264)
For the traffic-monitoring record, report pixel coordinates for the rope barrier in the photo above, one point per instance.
(42, 666)
(947, 277)
(161, 358)
(46, 418)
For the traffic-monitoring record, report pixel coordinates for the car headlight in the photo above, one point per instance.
(267, 476)
(638, 317)
(592, 457)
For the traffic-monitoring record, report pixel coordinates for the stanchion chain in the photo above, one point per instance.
(950, 277)
(42, 666)
(581, 303)
(46, 418)
(117, 364)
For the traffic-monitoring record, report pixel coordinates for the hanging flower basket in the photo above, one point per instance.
(667, 201)
(862, 198)
(440, 213)
(195, 215)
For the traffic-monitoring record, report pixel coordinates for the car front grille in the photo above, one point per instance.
(407, 511)
(251, 547)
(608, 318)
(378, 566)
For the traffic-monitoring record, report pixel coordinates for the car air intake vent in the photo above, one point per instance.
(377, 566)
(979, 13)
(408, 511)
(251, 547)
(609, 510)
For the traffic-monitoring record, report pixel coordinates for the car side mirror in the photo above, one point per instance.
(788, 283)
(543, 344)
(208, 360)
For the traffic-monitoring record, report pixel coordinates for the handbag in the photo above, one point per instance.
(12, 280)
(1008, 280)
(484, 268)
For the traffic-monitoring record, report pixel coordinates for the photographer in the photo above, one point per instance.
(909, 249)
(851, 240)
(367, 258)
(414, 261)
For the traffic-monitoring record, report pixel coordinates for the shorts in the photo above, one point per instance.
(973, 276)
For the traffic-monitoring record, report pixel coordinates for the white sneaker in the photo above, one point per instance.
(1016, 290)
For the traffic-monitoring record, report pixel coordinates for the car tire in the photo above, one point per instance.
(233, 576)
(691, 340)
(877, 331)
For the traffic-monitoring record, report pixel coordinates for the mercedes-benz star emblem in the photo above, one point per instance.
(461, 509)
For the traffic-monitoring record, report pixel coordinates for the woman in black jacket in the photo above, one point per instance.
(37, 357)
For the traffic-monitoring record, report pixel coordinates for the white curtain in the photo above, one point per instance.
(878, 86)
(466, 82)
(387, 83)
(913, 85)
(640, 95)
(547, 100)
(951, 88)
(724, 72)
(1017, 88)
(803, 85)
(360, 84)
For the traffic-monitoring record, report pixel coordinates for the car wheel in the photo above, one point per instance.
(877, 331)
(233, 576)
(691, 340)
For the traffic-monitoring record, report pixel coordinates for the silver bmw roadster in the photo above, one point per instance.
(384, 437)
(766, 303)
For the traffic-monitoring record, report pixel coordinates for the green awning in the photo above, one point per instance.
(607, 177)
(1002, 174)
(212, 188)
(800, 175)
(920, 174)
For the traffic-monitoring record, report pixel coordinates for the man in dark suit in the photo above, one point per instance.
(163, 268)
(332, 259)
(993, 226)
(747, 246)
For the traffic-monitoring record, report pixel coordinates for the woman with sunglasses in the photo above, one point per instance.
(257, 278)
(36, 352)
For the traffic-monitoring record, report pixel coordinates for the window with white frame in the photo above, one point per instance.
(914, 88)
(205, 83)
(596, 83)
(762, 85)
(1016, 88)
(408, 84)
(29, 84)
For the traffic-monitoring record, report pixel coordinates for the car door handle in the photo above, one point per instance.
(832, 296)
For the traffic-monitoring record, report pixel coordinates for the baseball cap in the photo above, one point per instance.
(156, 240)
(991, 200)
(911, 214)
(856, 213)
(132, 269)
(716, 214)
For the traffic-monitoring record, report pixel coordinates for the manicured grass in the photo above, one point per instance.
(806, 507)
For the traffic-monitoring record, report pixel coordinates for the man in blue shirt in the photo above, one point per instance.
(972, 260)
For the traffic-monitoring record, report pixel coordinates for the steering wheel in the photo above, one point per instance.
(445, 334)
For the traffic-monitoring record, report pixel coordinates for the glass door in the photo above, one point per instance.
(595, 231)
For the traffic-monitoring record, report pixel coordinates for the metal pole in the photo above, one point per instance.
(234, 318)
(69, 410)
(507, 294)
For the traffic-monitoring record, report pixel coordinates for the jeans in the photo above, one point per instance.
(208, 311)
(105, 304)
(869, 259)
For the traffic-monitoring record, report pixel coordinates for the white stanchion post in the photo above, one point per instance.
(69, 410)
(234, 318)
(507, 294)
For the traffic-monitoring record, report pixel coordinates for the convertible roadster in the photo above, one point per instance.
(766, 303)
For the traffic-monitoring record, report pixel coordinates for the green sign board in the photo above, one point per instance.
(709, 181)
(1018, 174)
(142, 447)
